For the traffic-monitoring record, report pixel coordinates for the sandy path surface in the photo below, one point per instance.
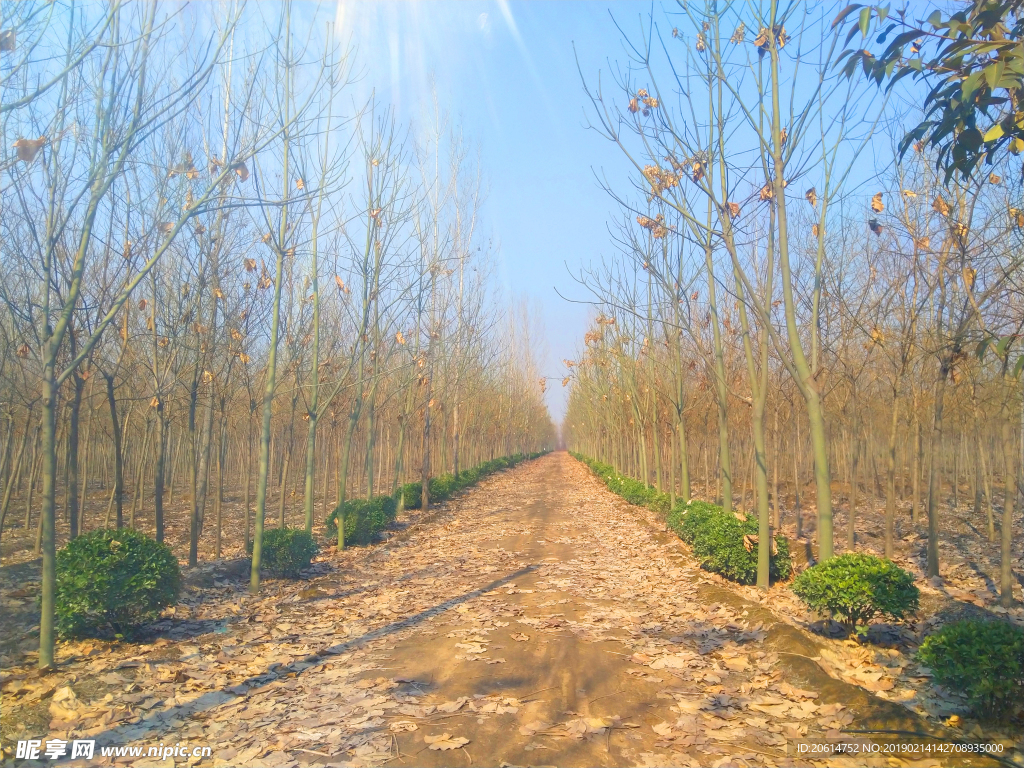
(536, 620)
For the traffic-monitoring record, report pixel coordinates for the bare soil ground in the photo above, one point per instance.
(535, 620)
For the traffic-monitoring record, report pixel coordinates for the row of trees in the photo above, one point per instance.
(794, 293)
(216, 278)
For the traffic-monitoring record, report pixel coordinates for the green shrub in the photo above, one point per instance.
(469, 477)
(982, 659)
(364, 519)
(719, 545)
(113, 580)
(442, 487)
(286, 551)
(412, 495)
(855, 587)
(688, 520)
(633, 491)
(717, 539)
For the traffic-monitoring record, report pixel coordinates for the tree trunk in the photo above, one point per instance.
(73, 491)
(48, 590)
(890, 477)
(1009, 497)
(851, 534)
(776, 513)
(935, 475)
(162, 436)
(915, 491)
(16, 467)
(202, 477)
(118, 455)
(988, 492)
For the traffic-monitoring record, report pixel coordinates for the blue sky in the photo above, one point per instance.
(507, 72)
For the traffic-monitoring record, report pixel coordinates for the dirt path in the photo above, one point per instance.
(537, 620)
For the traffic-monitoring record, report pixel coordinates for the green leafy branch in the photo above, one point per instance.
(973, 61)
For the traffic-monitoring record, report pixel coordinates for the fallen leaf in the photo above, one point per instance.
(533, 728)
(446, 741)
(737, 664)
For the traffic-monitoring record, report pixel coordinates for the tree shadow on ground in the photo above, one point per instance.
(215, 698)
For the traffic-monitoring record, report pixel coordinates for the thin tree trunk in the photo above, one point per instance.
(16, 468)
(162, 435)
(988, 493)
(73, 503)
(1009, 498)
(776, 512)
(48, 541)
(890, 476)
(935, 458)
(118, 454)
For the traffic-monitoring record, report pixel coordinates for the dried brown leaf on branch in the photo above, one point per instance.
(969, 275)
(876, 203)
(27, 149)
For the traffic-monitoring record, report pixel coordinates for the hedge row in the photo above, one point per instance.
(631, 490)
(723, 544)
(366, 519)
(445, 486)
(717, 539)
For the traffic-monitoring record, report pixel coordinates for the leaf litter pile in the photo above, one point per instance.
(538, 619)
